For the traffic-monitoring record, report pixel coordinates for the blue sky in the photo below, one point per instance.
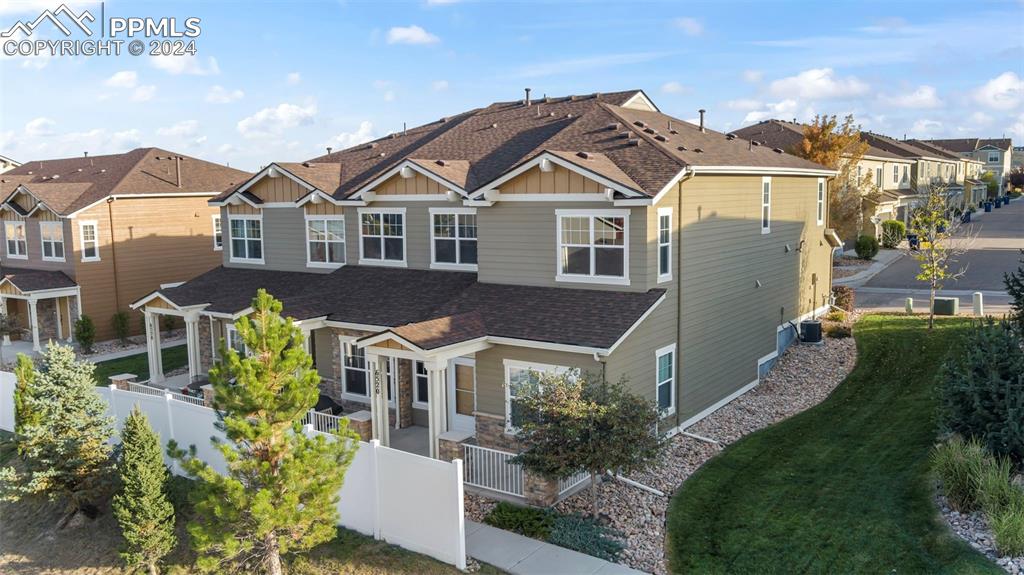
(277, 81)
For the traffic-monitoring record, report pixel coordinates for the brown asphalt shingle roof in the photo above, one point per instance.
(28, 280)
(788, 135)
(965, 145)
(69, 184)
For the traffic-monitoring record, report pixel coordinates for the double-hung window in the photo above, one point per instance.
(665, 359)
(878, 177)
(906, 173)
(88, 233)
(766, 204)
(593, 246)
(453, 237)
(234, 340)
(218, 234)
(325, 241)
(421, 385)
(382, 236)
(821, 201)
(17, 245)
(520, 379)
(51, 235)
(355, 375)
(246, 239)
(993, 157)
(895, 173)
(664, 244)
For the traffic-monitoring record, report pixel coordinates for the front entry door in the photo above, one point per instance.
(462, 394)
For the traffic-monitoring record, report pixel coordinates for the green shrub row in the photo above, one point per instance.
(574, 532)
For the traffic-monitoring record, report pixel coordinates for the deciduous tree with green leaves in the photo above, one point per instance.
(572, 422)
(142, 507)
(280, 493)
(64, 441)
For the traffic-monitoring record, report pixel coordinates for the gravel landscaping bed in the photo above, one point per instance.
(134, 342)
(973, 528)
(846, 266)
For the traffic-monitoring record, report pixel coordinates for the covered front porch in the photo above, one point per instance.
(44, 304)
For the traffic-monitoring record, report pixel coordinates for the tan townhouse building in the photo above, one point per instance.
(442, 270)
(92, 234)
(996, 153)
(966, 189)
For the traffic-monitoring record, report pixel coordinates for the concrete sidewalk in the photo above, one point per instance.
(883, 260)
(524, 556)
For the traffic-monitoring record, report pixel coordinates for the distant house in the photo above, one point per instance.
(996, 153)
(7, 164)
(90, 235)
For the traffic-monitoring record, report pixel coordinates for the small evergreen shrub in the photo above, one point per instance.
(866, 247)
(844, 297)
(1008, 527)
(120, 324)
(85, 333)
(528, 521)
(958, 464)
(586, 536)
(169, 322)
(893, 232)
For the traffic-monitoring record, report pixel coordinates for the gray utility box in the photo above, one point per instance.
(947, 306)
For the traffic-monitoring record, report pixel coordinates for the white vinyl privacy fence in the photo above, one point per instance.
(405, 499)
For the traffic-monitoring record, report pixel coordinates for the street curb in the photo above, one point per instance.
(862, 277)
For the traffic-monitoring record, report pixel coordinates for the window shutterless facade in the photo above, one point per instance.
(325, 241)
(664, 244)
(88, 233)
(382, 236)
(17, 245)
(766, 204)
(593, 246)
(355, 375)
(234, 340)
(821, 201)
(665, 359)
(878, 177)
(218, 234)
(520, 378)
(421, 385)
(895, 174)
(51, 235)
(453, 237)
(246, 239)
(993, 157)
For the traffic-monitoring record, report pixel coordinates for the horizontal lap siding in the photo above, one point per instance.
(490, 371)
(416, 185)
(34, 244)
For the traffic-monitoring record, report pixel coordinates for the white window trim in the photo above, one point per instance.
(766, 223)
(542, 368)
(416, 403)
(895, 173)
(43, 242)
(820, 204)
(8, 224)
(668, 349)
(81, 239)
(343, 340)
(263, 236)
(667, 276)
(404, 262)
(434, 264)
(214, 220)
(593, 279)
(228, 330)
(305, 237)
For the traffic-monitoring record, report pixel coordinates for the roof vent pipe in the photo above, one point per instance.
(527, 96)
(86, 154)
(177, 169)
(702, 110)
(328, 150)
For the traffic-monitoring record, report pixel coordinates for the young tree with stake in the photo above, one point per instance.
(280, 493)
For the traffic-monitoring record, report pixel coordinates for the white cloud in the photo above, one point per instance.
(743, 104)
(752, 76)
(389, 96)
(1017, 128)
(689, 26)
(922, 97)
(191, 65)
(364, 133)
(818, 83)
(294, 78)
(411, 35)
(225, 149)
(221, 95)
(384, 86)
(979, 119)
(783, 110)
(40, 127)
(183, 129)
(144, 93)
(274, 121)
(926, 127)
(439, 85)
(674, 88)
(123, 79)
(1004, 92)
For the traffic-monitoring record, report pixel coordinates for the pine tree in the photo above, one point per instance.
(1014, 282)
(142, 508)
(64, 446)
(281, 491)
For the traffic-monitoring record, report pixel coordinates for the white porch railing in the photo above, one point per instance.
(149, 390)
(572, 481)
(489, 469)
(323, 422)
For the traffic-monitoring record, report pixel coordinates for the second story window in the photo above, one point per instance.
(993, 157)
(218, 234)
(593, 246)
(821, 202)
(52, 237)
(89, 237)
(453, 235)
(766, 204)
(664, 244)
(17, 246)
(895, 174)
(246, 239)
(906, 173)
(325, 241)
(878, 177)
(382, 236)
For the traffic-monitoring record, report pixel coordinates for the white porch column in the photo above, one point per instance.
(3, 309)
(33, 318)
(378, 398)
(156, 368)
(71, 322)
(192, 345)
(56, 312)
(437, 407)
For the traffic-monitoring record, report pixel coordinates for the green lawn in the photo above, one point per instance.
(841, 488)
(174, 357)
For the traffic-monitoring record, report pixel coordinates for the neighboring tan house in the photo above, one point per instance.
(7, 164)
(439, 270)
(90, 235)
(930, 167)
(996, 153)
(966, 189)
(890, 173)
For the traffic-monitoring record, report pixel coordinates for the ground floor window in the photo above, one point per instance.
(520, 379)
(421, 383)
(665, 359)
(354, 371)
(235, 340)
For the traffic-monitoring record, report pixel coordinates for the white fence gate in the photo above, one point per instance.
(405, 499)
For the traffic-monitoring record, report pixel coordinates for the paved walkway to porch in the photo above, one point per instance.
(524, 556)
